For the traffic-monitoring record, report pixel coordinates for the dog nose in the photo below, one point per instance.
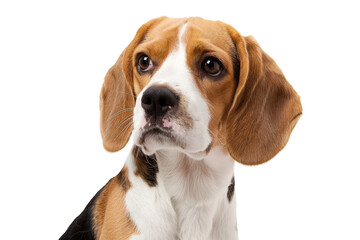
(158, 100)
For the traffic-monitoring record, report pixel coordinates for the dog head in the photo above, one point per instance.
(192, 84)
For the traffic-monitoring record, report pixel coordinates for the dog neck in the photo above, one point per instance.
(186, 180)
(194, 196)
(195, 181)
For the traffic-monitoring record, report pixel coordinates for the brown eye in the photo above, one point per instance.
(144, 63)
(212, 66)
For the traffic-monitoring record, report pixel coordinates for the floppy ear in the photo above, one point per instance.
(117, 97)
(265, 107)
(116, 107)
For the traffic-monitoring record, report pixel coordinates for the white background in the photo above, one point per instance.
(54, 56)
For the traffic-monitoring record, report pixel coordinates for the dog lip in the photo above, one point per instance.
(155, 129)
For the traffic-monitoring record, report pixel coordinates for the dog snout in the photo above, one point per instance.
(156, 101)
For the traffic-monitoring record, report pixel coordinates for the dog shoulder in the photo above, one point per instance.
(105, 216)
(82, 226)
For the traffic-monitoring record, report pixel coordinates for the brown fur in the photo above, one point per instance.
(111, 219)
(254, 115)
(253, 109)
(265, 108)
(210, 39)
(123, 82)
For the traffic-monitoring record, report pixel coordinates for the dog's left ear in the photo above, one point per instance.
(265, 107)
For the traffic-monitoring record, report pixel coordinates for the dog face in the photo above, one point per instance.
(192, 84)
(184, 90)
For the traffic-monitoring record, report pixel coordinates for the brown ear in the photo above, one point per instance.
(116, 108)
(117, 98)
(265, 108)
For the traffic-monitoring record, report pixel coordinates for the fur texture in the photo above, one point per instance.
(232, 103)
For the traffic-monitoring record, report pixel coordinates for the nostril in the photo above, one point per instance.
(147, 103)
(158, 100)
(146, 100)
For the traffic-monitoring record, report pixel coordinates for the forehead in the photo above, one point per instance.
(199, 34)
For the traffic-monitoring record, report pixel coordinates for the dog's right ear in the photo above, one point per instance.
(116, 107)
(117, 97)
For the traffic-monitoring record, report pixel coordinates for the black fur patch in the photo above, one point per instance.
(147, 166)
(82, 227)
(231, 189)
(123, 179)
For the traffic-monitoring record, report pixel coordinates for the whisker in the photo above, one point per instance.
(123, 121)
(124, 130)
(211, 132)
(120, 112)
(123, 135)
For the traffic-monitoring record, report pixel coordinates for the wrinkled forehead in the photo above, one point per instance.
(198, 35)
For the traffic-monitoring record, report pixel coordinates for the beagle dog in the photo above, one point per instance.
(196, 95)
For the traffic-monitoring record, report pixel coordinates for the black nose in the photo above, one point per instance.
(158, 100)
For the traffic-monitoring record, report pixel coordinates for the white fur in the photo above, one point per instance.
(198, 190)
(188, 203)
(190, 200)
(175, 73)
(149, 208)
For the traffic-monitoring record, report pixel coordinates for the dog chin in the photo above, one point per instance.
(157, 140)
(149, 149)
(151, 143)
(153, 139)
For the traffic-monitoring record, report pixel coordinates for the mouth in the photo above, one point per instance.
(166, 136)
(156, 131)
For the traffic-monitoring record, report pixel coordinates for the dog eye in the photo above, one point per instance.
(212, 66)
(145, 63)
